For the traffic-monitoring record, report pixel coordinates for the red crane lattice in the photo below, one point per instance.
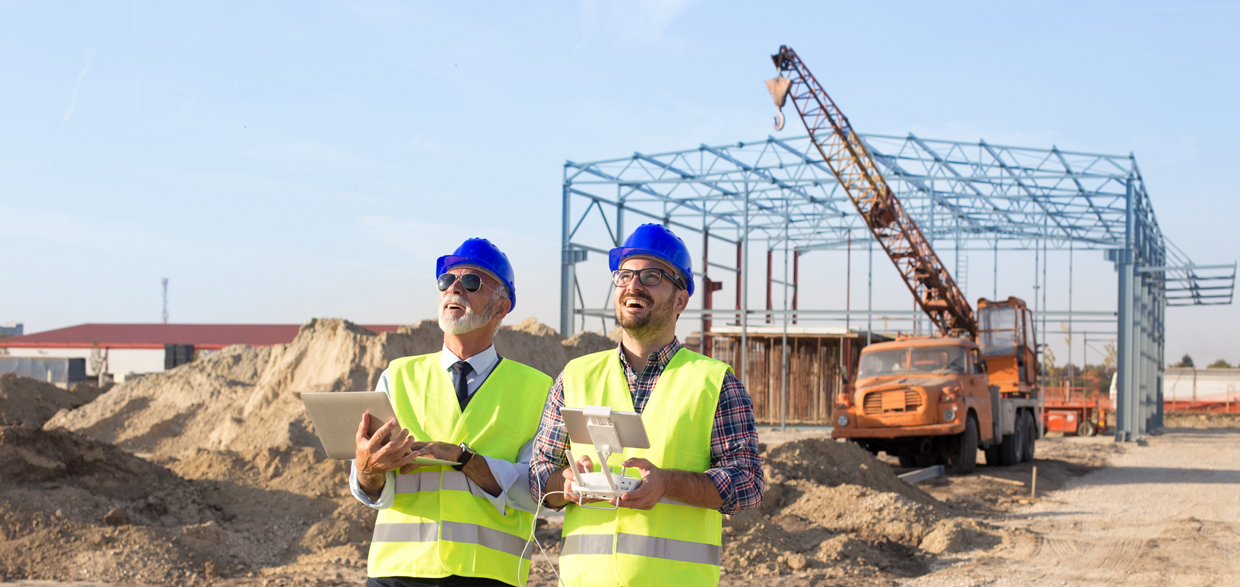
(895, 230)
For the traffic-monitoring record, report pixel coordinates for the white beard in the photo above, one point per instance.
(471, 321)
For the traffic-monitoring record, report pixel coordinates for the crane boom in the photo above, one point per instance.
(924, 274)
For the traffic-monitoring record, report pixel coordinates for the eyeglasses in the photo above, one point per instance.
(470, 281)
(648, 277)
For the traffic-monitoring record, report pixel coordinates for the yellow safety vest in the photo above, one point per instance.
(673, 543)
(440, 523)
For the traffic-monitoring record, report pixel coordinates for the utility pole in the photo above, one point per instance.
(165, 300)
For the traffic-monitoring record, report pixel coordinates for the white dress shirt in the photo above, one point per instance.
(508, 475)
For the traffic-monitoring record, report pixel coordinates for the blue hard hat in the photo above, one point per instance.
(655, 240)
(480, 252)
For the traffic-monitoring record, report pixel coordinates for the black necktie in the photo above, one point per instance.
(462, 369)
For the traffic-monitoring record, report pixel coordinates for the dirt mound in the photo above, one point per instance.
(959, 535)
(586, 342)
(63, 496)
(830, 463)
(1201, 421)
(833, 509)
(228, 429)
(245, 400)
(30, 402)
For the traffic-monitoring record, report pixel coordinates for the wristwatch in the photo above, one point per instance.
(466, 454)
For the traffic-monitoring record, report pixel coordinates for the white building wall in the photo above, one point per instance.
(121, 362)
(1203, 385)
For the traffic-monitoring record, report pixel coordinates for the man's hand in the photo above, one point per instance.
(376, 454)
(435, 450)
(654, 484)
(562, 480)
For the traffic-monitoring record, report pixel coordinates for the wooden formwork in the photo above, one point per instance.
(815, 375)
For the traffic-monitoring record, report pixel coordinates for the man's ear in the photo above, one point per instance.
(682, 301)
(502, 308)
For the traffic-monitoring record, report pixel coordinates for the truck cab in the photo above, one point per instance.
(913, 392)
(935, 400)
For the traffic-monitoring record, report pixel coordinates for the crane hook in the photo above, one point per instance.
(779, 93)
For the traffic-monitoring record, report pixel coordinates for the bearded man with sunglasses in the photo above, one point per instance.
(461, 525)
(703, 457)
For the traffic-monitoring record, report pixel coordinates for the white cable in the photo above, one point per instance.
(534, 529)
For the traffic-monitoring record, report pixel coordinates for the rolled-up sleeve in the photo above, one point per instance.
(549, 443)
(735, 466)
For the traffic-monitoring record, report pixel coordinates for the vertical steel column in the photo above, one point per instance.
(796, 263)
(783, 381)
(743, 280)
(1160, 354)
(567, 273)
(769, 252)
(1125, 410)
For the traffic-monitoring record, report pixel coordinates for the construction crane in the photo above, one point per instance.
(923, 272)
(933, 400)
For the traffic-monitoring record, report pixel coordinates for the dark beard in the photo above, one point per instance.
(659, 316)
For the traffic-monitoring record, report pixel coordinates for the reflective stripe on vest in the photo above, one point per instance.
(673, 543)
(429, 481)
(636, 544)
(441, 523)
(453, 532)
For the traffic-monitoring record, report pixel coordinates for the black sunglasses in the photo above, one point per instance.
(648, 277)
(470, 281)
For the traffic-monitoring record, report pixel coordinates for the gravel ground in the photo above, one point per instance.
(1166, 512)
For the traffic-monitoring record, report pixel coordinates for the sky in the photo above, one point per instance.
(279, 162)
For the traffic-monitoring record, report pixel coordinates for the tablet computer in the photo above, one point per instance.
(628, 426)
(335, 416)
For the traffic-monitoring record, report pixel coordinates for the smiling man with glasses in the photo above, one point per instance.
(461, 525)
(703, 457)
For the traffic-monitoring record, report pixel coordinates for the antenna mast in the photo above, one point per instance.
(165, 280)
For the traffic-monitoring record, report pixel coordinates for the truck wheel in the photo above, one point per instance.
(1031, 437)
(1086, 429)
(1012, 449)
(992, 455)
(963, 459)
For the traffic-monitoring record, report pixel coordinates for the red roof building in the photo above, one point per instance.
(156, 336)
(124, 349)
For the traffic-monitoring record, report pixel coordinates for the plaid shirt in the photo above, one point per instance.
(735, 467)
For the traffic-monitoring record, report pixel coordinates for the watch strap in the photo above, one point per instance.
(466, 454)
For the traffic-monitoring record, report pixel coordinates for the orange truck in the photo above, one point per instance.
(937, 400)
(922, 400)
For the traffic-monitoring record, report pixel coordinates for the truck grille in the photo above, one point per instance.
(886, 402)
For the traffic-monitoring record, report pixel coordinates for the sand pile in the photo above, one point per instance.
(833, 508)
(30, 402)
(213, 469)
(245, 400)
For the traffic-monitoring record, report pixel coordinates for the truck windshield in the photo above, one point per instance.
(923, 360)
(997, 332)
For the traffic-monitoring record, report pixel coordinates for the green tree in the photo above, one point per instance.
(1220, 364)
(1187, 361)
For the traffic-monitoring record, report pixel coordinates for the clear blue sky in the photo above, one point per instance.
(283, 161)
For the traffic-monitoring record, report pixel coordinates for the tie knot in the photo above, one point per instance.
(462, 368)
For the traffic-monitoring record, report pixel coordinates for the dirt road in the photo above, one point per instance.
(1167, 512)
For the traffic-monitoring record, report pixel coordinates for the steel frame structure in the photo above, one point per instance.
(981, 196)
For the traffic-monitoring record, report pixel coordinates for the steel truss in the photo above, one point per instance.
(979, 196)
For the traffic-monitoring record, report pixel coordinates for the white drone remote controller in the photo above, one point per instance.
(609, 432)
(600, 485)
